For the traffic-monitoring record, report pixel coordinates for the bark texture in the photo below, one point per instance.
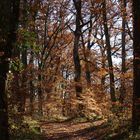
(136, 63)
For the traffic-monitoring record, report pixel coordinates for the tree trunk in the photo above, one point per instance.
(31, 89)
(88, 73)
(123, 70)
(24, 59)
(136, 63)
(109, 58)
(24, 80)
(40, 96)
(9, 14)
(4, 135)
(76, 59)
(103, 60)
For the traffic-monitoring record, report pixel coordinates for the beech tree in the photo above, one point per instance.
(76, 58)
(109, 52)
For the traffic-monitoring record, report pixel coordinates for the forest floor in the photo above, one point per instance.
(98, 130)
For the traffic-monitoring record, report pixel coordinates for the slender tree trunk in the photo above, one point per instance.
(31, 98)
(40, 96)
(103, 67)
(4, 134)
(24, 59)
(109, 58)
(88, 74)
(123, 70)
(31, 91)
(24, 81)
(136, 63)
(76, 59)
(87, 65)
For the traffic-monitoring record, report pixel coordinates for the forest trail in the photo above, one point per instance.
(74, 131)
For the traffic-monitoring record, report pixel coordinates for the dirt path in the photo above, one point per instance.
(74, 131)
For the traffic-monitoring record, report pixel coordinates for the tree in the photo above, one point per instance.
(9, 13)
(136, 64)
(123, 69)
(109, 54)
(76, 58)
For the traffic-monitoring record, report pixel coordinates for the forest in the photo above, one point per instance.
(69, 69)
